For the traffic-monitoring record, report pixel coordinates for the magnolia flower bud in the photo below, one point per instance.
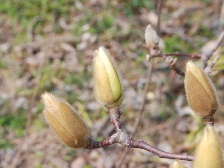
(208, 152)
(200, 92)
(177, 164)
(64, 120)
(151, 37)
(107, 84)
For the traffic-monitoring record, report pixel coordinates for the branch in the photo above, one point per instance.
(125, 140)
(160, 153)
(156, 52)
(115, 116)
(208, 55)
(172, 64)
(184, 55)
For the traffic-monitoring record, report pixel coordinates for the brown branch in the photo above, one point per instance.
(198, 56)
(156, 52)
(121, 137)
(209, 120)
(125, 140)
(158, 152)
(115, 116)
(172, 64)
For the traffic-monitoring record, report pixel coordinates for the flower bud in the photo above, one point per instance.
(151, 37)
(176, 164)
(208, 152)
(107, 84)
(65, 121)
(200, 92)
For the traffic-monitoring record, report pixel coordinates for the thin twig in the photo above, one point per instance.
(31, 27)
(142, 107)
(159, 7)
(123, 138)
(208, 55)
(141, 110)
(160, 153)
(178, 54)
(208, 69)
(115, 116)
(184, 54)
(172, 64)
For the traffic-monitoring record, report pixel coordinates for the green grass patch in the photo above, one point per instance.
(176, 44)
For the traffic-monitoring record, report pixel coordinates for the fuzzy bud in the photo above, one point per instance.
(107, 83)
(151, 37)
(208, 152)
(65, 121)
(200, 92)
(176, 164)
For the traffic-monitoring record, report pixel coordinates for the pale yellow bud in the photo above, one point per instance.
(208, 152)
(200, 92)
(107, 84)
(64, 120)
(151, 37)
(176, 164)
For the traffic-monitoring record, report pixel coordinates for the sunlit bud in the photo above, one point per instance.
(176, 164)
(208, 152)
(200, 92)
(107, 83)
(65, 121)
(151, 37)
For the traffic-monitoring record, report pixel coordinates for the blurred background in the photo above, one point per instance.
(49, 45)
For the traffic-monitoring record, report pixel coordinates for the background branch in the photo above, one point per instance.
(208, 55)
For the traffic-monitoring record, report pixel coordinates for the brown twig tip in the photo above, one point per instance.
(209, 120)
(171, 62)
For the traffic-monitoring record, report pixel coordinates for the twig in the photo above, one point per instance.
(178, 54)
(125, 140)
(159, 7)
(31, 27)
(208, 55)
(183, 54)
(208, 69)
(142, 107)
(221, 19)
(160, 153)
(172, 64)
(115, 116)
(141, 110)
(209, 120)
